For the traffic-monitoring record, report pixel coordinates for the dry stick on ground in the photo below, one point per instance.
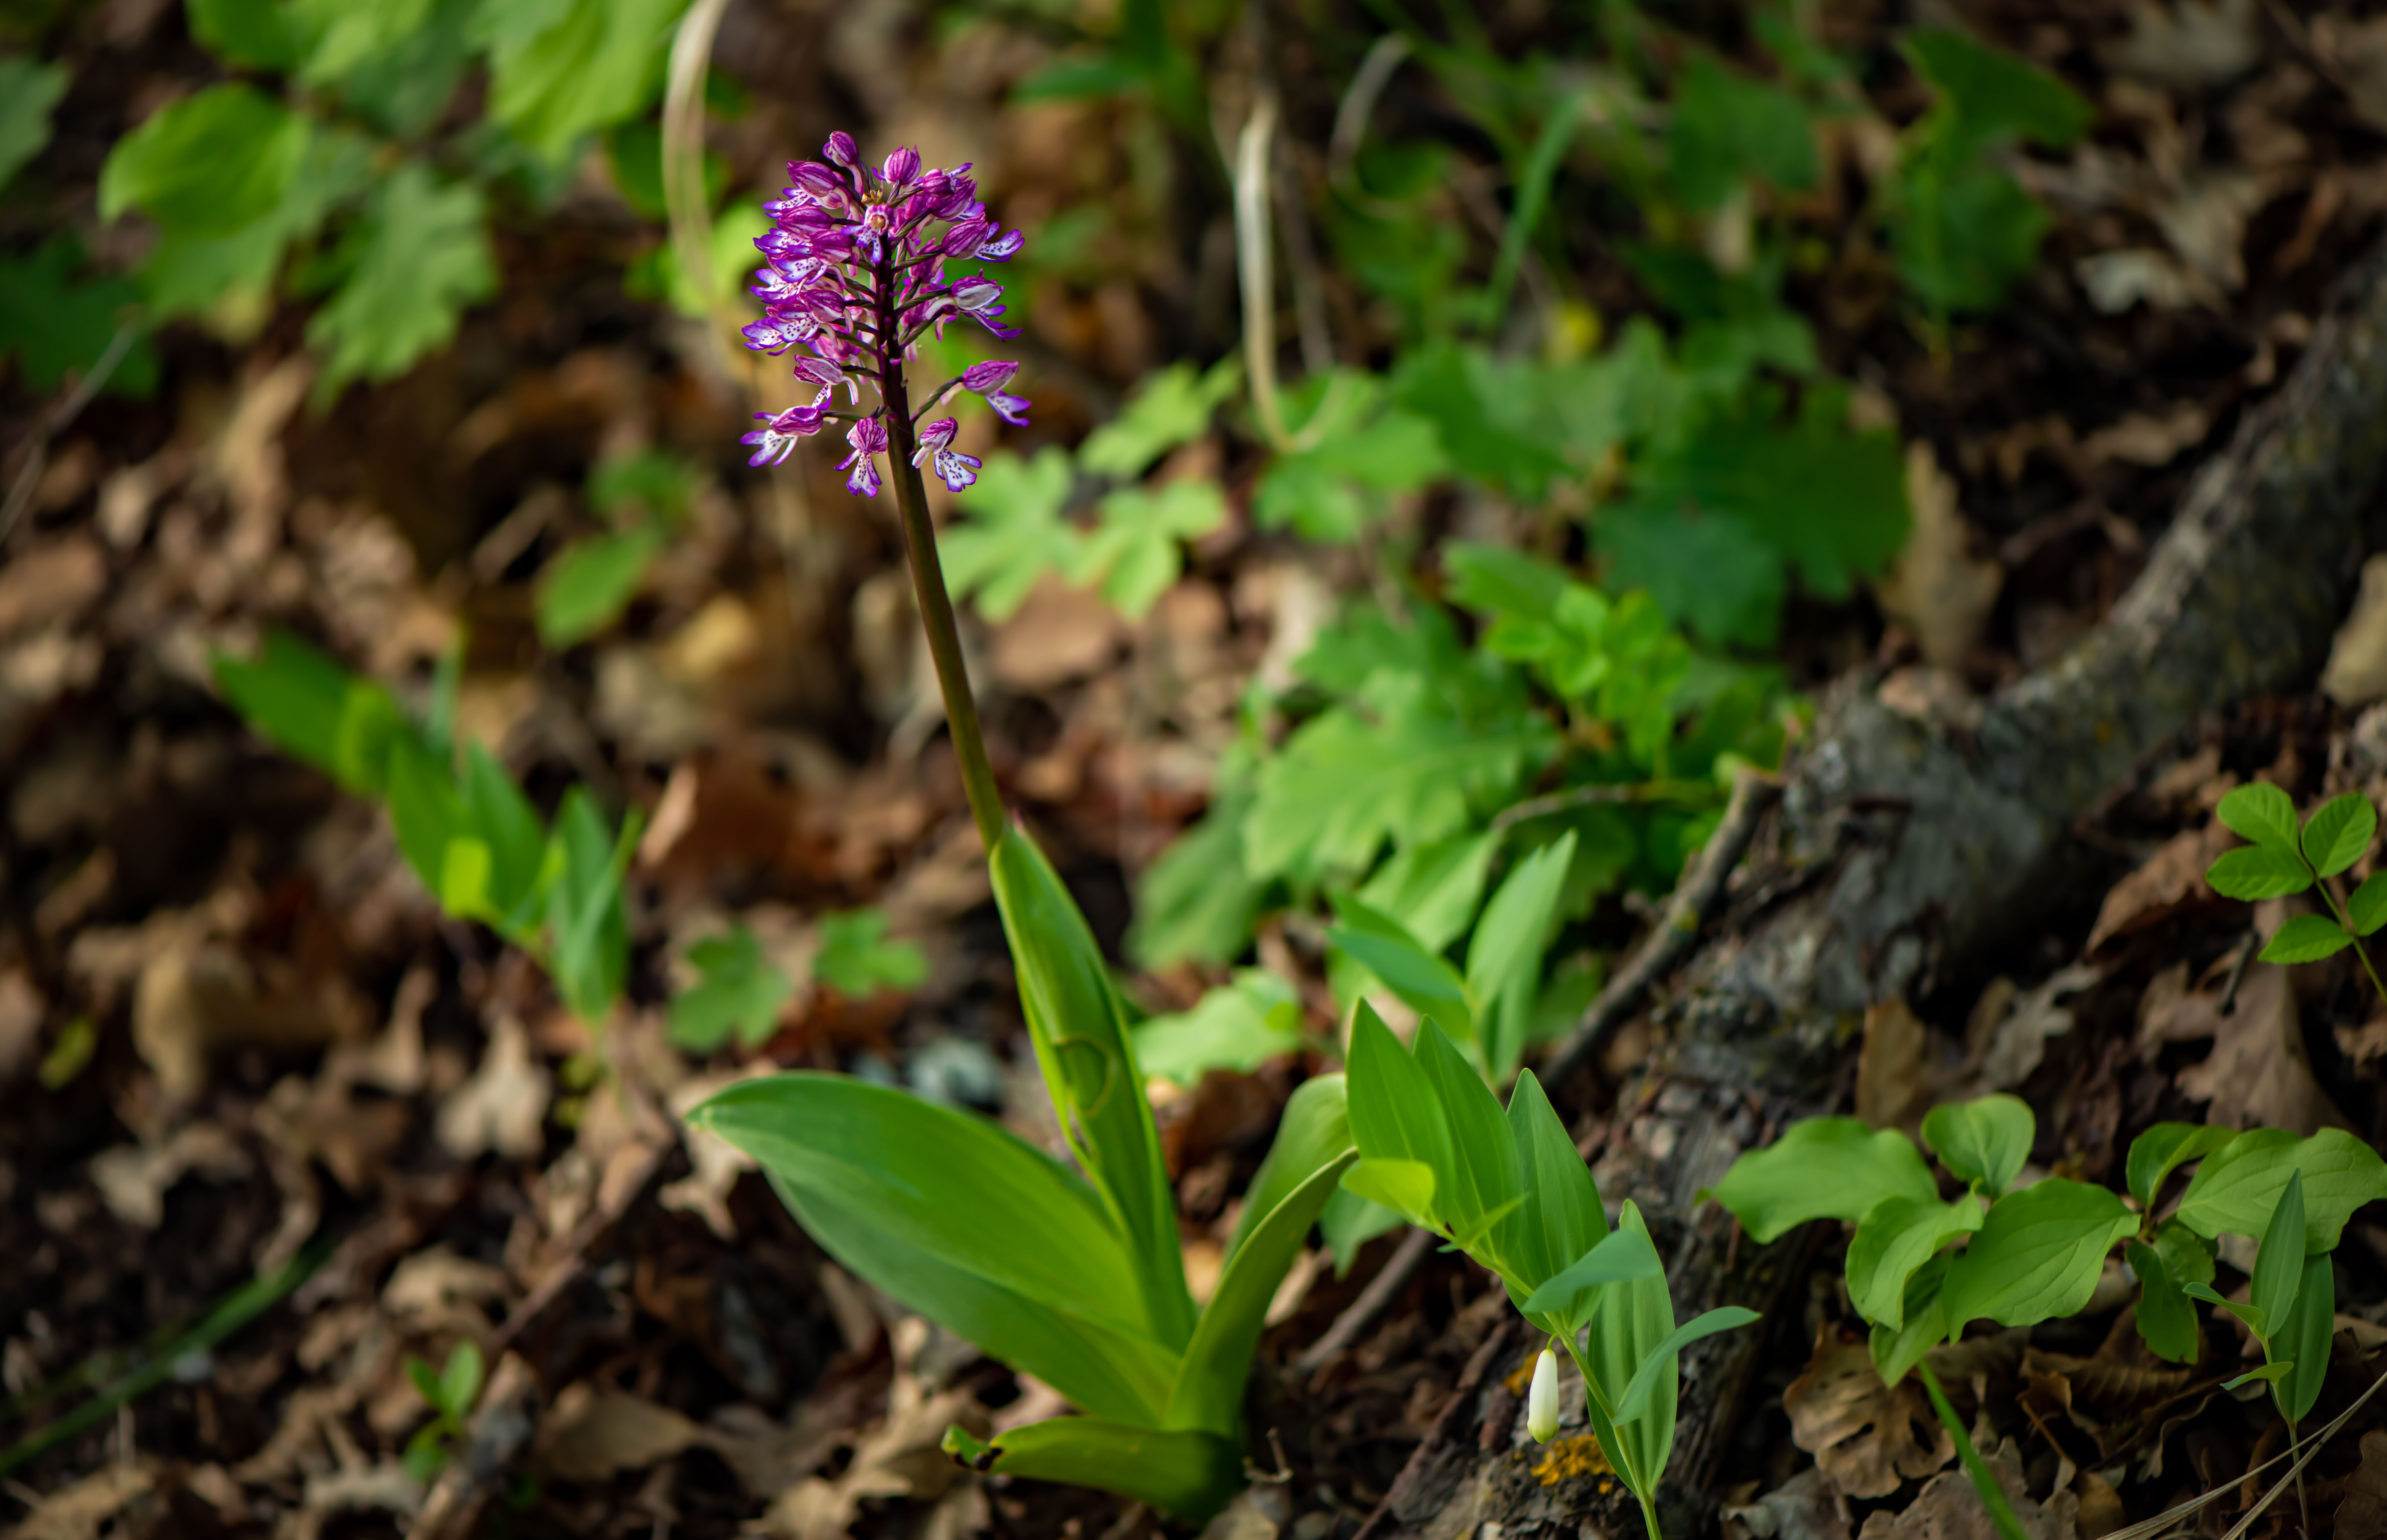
(1902, 857)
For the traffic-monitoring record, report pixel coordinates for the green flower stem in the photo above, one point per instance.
(1985, 1482)
(1632, 1479)
(937, 610)
(2346, 922)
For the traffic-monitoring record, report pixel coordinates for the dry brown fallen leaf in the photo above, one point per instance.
(1059, 633)
(2170, 881)
(2013, 1045)
(2258, 1074)
(2363, 1511)
(1867, 1437)
(132, 1178)
(1805, 1507)
(1948, 1509)
(2355, 673)
(80, 1510)
(901, 1458)
(2140, 439)
(504, 1104)
(592, 1435)
(2187, 44)
(1939, 589)
(1893, 1082)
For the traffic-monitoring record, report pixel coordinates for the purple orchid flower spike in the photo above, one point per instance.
(855, 276)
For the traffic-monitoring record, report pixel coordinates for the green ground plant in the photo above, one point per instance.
(1922, 1268)
(2282, 859)
(449, 1392)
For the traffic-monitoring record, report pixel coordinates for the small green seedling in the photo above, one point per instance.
(2280, 859)
(1510, 1191)
(1921, 1269)
(450, 1393)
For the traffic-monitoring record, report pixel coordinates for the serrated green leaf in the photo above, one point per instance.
(2306, 939)
(2339, 833)
(29, 92)
(2036, 1256)
(591, 581)
(416, 260)
(1238, 1026)
(1015, 534)
(1985, 1140)
(738, 992)
(2237, 1189)
(2368, 907)
(2164, 1148)
(963, 1222)
(1134, 552)
(1821, 1168)
(1171, 407)
(857, 960)
(2165, 1321)
(2261, 813)
(209, 164)
(1897, 1236)
(2254, 872)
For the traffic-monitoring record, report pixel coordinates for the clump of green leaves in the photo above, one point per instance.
(643, 495)
(450, 1393)
(1921, 1269)
(1511, 1190)
(738, 991)
(2281, 859)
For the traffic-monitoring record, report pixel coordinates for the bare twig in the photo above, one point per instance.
(1390, 1279)
(1351, 120)
(1694, 895)
(1605, 794)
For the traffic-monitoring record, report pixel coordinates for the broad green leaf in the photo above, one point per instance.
(1406, 1187)
(302, 702)
(1484, 1151)
(2164, 1148)
(1623, 1255)
(1995, 93)
(2339, 833)
(1896, 1351)
(2273, 1372)
(2237, 1188)
(2303, 1339)
(591, 947)
(1423, 980)
(1350, 1221)
(229, 277)
(1171, 407)
(1197, 902)
(460, 1382)
(2164, 1320)
(2306, 939)
(1632, 1324)
(1079, 1031)
(502, 818)
(1821, 1168)
(589, 584)
(1562, 1219)
(2036, 1256)
(1314, 1131)
(424, 810)
(1187, 1474)
(566, 68)
(857, 960)
(208, 164)
(1895, 1237)
(1238, 1026)
(1726, 128)
(28, 94)
(1504, 957)
(1210, 1389)
(342, 35)
(2257, 872)
(1985, 1140)
(738, 991)
(2368, 907)
(1432, 888)
(965, 1223)
(463, 886)
(2250, 1314)
(2261, 814)
(2280, 1264)
(1394, 1113)
(1663, 1360)
(256, 34)
(419, 257)
(1015, 534)
(2187, 1256)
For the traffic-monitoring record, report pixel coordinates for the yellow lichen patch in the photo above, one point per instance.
(1566, 1459)
(1518, 1377)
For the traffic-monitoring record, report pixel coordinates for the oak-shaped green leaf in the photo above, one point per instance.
(1984, 1141)
(2261, 813)
(2257, 872)
(1821, 1168)
(414, 262)
(2238, 1188)
(2368, 907)
(2036, 1255)
(2165, 1319)
(2339, 833)
(2306, 939)
(738, 991)
(2164, 1148)
(1895, 1239)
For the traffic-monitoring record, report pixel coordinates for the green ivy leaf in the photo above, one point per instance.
(208, 164)
(28, 93)
(1985, 1140)
(2306, 939)
(2254, 872)
(2339, 833)
(738, 991)
(2036, 1255)
(2261, 813)
(857, 960)
(591, 581)
(412, 264)
(1821, 1168)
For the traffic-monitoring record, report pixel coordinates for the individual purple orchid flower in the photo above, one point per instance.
(855, 277)
(957, 469)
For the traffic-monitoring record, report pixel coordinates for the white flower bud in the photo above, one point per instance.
(1542, 1401)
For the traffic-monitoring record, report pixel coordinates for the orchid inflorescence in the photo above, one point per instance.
(856, 274)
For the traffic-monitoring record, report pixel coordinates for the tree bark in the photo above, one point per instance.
(1902, 854)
